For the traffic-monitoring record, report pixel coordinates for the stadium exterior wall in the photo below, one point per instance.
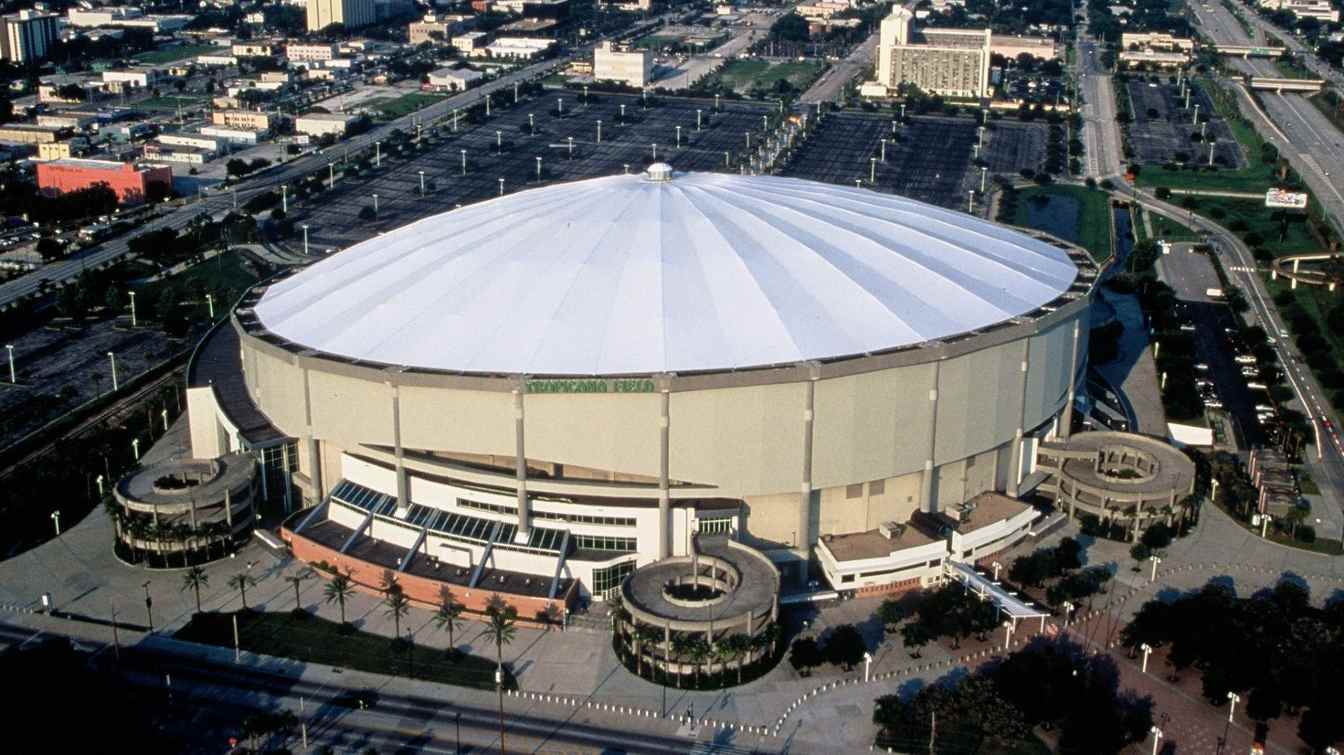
(927, 426)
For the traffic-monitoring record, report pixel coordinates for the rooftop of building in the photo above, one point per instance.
(986, 509)
(84, 163)
(859, 546)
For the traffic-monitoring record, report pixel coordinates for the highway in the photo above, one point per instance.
(1302, 134)
(1102, 139)
(101, 255)
(833, 81)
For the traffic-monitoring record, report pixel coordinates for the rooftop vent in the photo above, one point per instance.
(659, 172)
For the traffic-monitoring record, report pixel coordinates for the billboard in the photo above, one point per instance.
(1293, 200)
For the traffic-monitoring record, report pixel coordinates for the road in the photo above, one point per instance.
(112, 250)
(1302, 134)
(833, 81)
(1305, 56)
(209, 696)
(696, 67)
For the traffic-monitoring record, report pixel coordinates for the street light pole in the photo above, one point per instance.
(1157, 737)
(13, 378)
(375, 204)
(149, 606)
(499, 687)
(422, 181)
(113, 358)
(56, 520)
(1147, 649)
(305, 239)
(1153, 576)
(133, 321)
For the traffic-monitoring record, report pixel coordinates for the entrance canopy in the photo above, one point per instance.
(1010, 604)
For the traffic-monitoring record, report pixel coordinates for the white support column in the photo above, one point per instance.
(664, 472)
(403, 500)
(804, 543)
(926, 502)
(310, 445)
(1015, 470)
(1066, 417)
(520, 463)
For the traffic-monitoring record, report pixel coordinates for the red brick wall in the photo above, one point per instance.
(893, 588)
(130, 183)
(422, 590)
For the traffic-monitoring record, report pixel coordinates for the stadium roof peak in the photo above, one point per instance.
(624, 275)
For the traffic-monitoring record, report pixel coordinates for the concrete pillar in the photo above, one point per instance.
(520, 462)
(287, 476)
(805, 493)
(926, 502)
(664, 482)
(1066, 417)
(314, 466)
(1015, 471)
(310, 441)
(228, 508)
(403, 500)
(1138, 511)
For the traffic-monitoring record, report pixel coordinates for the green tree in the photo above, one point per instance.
(737, 645)
(914, 636)
(804, 655)
(338, 590)
(845, 646)
(194, 579)
(890, 613)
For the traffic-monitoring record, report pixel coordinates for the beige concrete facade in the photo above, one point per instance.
(946, 62)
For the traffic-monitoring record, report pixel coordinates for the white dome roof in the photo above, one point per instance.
(699, 271)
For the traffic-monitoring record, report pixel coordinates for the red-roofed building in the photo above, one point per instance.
(133, 184)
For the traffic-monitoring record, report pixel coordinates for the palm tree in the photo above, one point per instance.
(644, 635)
(296, 580)
(721, 653)
(446, 618)
(502, 627)
(738, 646)
(241, 582)
(681, 648)
(338, 590)
(698, 651)
(398, 605)
(194, 579)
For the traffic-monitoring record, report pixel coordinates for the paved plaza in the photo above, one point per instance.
(84, 578)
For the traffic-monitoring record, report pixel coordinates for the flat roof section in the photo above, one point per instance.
(858, 546)
(216, 364)
(988, 508)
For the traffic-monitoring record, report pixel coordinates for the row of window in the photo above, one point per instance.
(621, 521)
(605, 543)
(884, 572)
(717, 526)
(611, 577)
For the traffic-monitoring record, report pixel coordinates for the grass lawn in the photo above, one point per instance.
(312, 639)
(1255, 178)
(1319, 545)
(225, 272)
(1167, 229)
(1259, 219)
(392, 108)
(1315, 302)
(170, 54)
(1090, 225)
(742, 75)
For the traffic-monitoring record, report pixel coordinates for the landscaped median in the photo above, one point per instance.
(312, 639)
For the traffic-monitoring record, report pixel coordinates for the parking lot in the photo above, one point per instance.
(930, 158)
(1162, 127)
(508, 144)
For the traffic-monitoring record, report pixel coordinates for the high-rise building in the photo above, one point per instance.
(946, 62)
(350, 13)
(617, 63)
(27, 36)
